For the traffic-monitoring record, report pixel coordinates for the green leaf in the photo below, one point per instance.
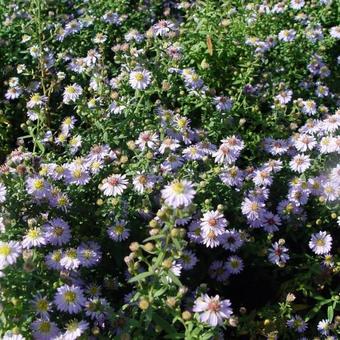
(156, 237)
(330, 313)
(140, 277)
(175, 279)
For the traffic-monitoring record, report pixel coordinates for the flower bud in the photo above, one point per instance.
(134, 246)
(143, 304)
(186, 315)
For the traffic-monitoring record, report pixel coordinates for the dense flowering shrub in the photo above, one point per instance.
(173, 170)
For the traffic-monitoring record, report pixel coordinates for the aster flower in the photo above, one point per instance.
(96, 308)
(212, 310)
(37, 187)
(309, 107)
(44, 329)
(114, 185)
(77, 174)
(213, 221)
(72, 93)
(210, 239)
(69, 299)
(53, 258)
(321, 243)
(284, 97)
(147, 139)
(252, 208)
(140, 79)
(57, 232)
(119, 232)
(287, 35)
(330, 190)
(231, 240)
(305, 143)
(324, 327)
(13, 93)
(262, 177)
(9, 335)
(9, 252)
(297, 323)
(89, 254)
(275, 146)
(41, 305)
(335, 32)
(3, 193)
(194, 233)
(163, 28)
(142, 182)
(176, 269)
(218, 271)
(234, 264)
(278, 254)
(34, 238)
(193, 152)
(223, 103)
(232, 176)
(178, 193)
(297, 4)
(271, 222)
(98, 153)
(300, 163)
(74, 329)
(69, 259)
(68, 124)
(188, 259)
(225, 154)
(36, 100)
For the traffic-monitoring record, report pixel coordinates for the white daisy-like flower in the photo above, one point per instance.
(70, 259)
(147, 139)
(179, 193)
(213, 221)
(212, 310)
(74, 329)
(3, 193)
(34, 238)
(9, 252)
(114, 185)
(69, 299)
(300, 163)
(140, 79)
(321, 243)
(36, 100)
(72, 93)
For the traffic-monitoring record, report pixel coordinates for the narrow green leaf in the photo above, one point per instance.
(140, 277)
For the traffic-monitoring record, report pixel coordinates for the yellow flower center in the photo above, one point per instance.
(45, 327)
(68, 121)
(56, 256)
(38, 184)
(42, 305)
(35, 97)
(77, 173)
(320, 243)
(5, 250)
(33, 233)
(72, 253)
(139, 76)
(70, 89)
(177, 188)
(119, 229)
(70, 297)
(58, 231)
